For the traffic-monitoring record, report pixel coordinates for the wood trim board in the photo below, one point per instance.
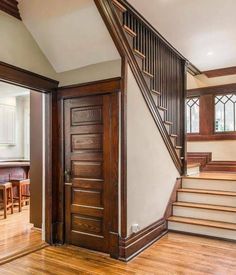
(27, 79)
(220, 72)
(30, 80)
(219, 89)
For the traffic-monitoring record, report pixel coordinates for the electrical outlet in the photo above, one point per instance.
(135, 228)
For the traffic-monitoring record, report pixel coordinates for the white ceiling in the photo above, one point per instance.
(71, 33)
(9, 90)
(202, 30)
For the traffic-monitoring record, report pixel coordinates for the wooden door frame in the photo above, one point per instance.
(102, 87)
(23, 78)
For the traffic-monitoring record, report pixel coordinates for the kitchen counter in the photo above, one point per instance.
(14, 163)
(14, 169)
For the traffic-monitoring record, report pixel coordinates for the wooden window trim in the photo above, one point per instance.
(207, 113)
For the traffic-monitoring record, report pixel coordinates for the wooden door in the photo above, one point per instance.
(88, 131)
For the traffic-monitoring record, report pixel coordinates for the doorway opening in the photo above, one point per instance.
(22, 170)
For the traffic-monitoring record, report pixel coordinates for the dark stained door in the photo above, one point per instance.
(88, 147)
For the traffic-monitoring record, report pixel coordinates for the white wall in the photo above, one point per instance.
(151, 173)
(224, 150)
(18, 150)
(18, 47)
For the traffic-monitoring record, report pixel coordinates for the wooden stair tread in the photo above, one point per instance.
(205, 206)
(218, 162)
(148, 74)
(129, 31)
(138, 53)
(162, 108)
(178, 147)
(173, 135)
(156, 92)
(208, 178)
(203, 191)
(168, 122)
(208, 223)
(119, 6)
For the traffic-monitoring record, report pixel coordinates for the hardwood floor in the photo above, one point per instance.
(17, 236)
(173, 254)
(215, 175)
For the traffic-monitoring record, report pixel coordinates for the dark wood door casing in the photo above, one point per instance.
(89, 116)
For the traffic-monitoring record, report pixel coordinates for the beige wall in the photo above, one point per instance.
(18, 47)
(94, 72)
(200, 81)
(151, 173)
(221, 150)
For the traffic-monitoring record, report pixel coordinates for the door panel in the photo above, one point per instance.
(88, 147)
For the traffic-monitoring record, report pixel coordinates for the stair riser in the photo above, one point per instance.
(167, 128)
(147, 80)
(139, 61)
(206, 198)
(130, 39)
(193, 171)
(162, 113)
(209, 184)
(203, 230)
(204, 214)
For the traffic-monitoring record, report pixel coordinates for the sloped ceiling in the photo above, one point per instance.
(202, 30)
(70, 33)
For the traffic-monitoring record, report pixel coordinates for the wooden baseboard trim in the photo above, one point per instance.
(22, 253)
(136, 243)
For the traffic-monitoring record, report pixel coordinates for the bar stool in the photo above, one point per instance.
(23, 195)
(7, 197)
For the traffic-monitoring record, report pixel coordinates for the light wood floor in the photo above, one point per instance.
(17, 235)
(173, 254)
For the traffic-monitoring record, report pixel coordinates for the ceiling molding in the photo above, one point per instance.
(27, 79)
(220, 72)
(220, 89)
(10, 7)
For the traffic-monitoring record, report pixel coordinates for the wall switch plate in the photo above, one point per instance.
(135, 228)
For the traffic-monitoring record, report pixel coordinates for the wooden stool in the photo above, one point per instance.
(22, 189)
(7, 197)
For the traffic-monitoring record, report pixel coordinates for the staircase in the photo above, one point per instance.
(205, 207)
(154, 62)
(220, 166)
(208, 165)
(158, 68)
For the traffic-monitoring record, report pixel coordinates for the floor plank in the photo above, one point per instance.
(173, 254)
(215, 175)
(17, 235)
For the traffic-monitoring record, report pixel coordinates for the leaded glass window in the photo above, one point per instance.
(192, 115)
(225, 116)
